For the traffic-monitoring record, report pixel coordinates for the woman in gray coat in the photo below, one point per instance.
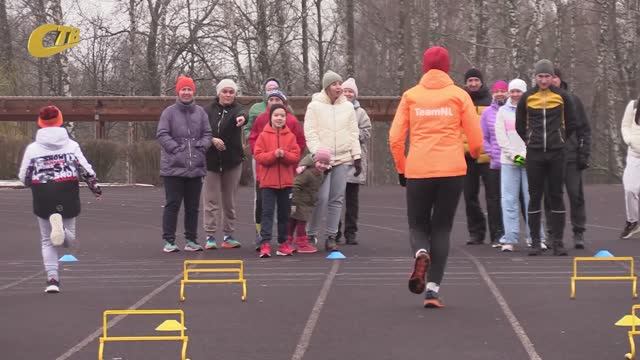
(184, 135)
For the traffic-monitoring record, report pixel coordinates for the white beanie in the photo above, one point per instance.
(518, 84)
(226, 83)
(350, 83)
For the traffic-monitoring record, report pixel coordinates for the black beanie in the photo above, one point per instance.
(473, 73)
(274, 107)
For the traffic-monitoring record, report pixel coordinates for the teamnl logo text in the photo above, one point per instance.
(443, 111)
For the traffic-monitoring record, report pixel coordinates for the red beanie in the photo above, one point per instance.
(436, 57)
(185, 81)
(50, 116)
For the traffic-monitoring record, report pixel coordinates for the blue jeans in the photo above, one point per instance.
(513, 183)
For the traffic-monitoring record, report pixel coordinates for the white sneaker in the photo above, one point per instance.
(57, 230)
(543, 245)
(53, 286)
(506, 248)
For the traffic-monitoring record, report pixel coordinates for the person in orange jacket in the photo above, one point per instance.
(434, 113)
(277, 155)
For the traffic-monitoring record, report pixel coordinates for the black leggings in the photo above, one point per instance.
(431, 207)
(546, 167)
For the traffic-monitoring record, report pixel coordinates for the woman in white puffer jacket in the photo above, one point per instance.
(631, 179)
(330, 122)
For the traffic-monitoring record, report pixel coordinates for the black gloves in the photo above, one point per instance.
(582, 160)
(357, 164)
(402, 180)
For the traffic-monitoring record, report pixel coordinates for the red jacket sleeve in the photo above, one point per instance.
(297, 130)
(262, 154)
(292, 152)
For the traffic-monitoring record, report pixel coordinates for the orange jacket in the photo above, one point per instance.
(273, 172)
(435, 112)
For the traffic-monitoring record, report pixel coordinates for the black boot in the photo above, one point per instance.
(558, 248)
(330, 243)
(557, 232)
(536, 248)
(578, 240)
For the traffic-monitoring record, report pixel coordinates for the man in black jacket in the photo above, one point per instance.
(545, 119)
(476, 168)
(577, 153)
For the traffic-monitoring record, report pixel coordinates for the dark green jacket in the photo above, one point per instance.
(305, 190)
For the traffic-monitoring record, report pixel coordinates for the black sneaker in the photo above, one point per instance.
(330, 244)
(536, 249)
(53, 286)
(475, 241)
(313, 240)
(630, 229)
(432, 300)
(559, 249)
(578, 241)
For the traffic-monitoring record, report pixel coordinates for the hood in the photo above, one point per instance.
(190, 107)
(268, 128)
(356, 103)
(510, 104)
(307, 161)
(52, 138)
(481, 94)
(435, 79)
(496, 106)
(324, 98)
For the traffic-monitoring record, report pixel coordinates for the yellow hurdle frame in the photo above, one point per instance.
(105, 338)
(633, 332)
(631, 277)
(212, 269)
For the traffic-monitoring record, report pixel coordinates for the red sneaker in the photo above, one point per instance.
(291, 244)
(304, 246)
(284, 250)
(417, 279)
(265, 250)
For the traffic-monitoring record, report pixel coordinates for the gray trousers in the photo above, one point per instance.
(330, 200)
(219, 196)
(50, 253)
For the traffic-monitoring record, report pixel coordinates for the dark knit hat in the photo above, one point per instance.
(275, 107)
(435, 57)
(277, 93)
(544, 66)
(473, 73)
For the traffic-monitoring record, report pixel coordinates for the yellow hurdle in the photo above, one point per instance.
(633, 332)
(106, 338)
(239, 270)
(631, 277)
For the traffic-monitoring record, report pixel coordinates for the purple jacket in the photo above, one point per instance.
(184, 135)
(491, 147)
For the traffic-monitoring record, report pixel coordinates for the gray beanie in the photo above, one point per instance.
(329, 78)
(544, 66)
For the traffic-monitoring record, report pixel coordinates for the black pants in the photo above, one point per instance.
(258, 207)
(575, 190)
(546, 167)
(476, 222)
(431, 207)
(494, 206)
(176, 190)
(271, 197)
(351, 212)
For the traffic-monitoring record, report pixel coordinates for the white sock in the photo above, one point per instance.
(433, 287)
(420, 251)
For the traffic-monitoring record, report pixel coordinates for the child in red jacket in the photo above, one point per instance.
(277, 154)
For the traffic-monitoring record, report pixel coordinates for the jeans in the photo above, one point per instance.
(271, 197)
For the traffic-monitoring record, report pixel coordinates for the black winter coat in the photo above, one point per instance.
(223, 126)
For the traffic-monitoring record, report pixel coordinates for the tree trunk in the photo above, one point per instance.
(321, 60)
(572, 41)
(6, 51)
(284, 53)
(305, 45)
(153, 75)
(264, 67)
(400, 45)
(351, 68)
(481, 37)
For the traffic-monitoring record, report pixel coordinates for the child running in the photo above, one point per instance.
(51, 167)
(276, 154)
(311, 174)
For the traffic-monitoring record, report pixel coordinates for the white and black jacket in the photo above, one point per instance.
(52, 167)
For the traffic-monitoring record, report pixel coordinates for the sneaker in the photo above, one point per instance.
(476, 240)
(291, 244)
(330, 244)
(496, 245)
(265, 250)
(528, 241)
(192, 246)
(536, 249)
(230, 243)
(420, 267)
(506, 248)
(432, 300)
(258, 241)
(303, 246)
(211, 243)
(53, 286)
(170, 247)
(350, 240)
(57, 229)
(313, 240)
(578, 241)
(544, 246)
(559, 249)
(284, 250)
(629, 229)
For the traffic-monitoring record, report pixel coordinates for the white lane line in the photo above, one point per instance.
(305, 338)
(513, 320)
(18, 282)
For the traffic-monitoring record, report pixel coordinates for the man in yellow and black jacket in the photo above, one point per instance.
(545, 119)
(476, 168)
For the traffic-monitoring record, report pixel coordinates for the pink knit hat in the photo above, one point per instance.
(323, 155)
(500, 85)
